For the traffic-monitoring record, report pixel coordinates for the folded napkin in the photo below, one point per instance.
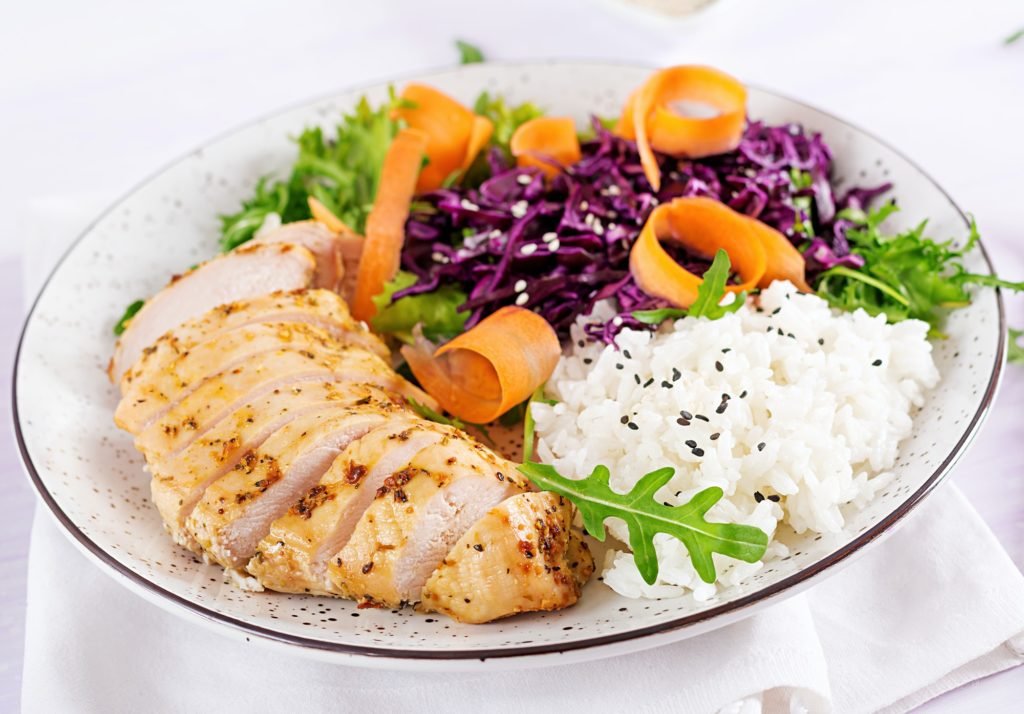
(936, 605)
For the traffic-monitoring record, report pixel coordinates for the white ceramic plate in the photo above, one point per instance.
(91, 478)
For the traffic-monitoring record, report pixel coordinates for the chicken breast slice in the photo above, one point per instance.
(282, 370)
(322, 242)
(522, 556)
(151, 396)
(179, 482)
(416, 518)
(237, 509)
(319, 308)
(293, 556)
(243, 273)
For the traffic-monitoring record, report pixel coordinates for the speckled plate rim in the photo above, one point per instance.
(523, 656)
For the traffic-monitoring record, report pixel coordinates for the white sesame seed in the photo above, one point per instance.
(612, 190)
(598, 228)
(554, 245)
(522, 299)
(589, 219)
(616, 320)
(584, 205)
(469, 205)
(519, 209)
(495, 233)
(548, 237)
(520, 286)
(439, 257)
(528, 249)
(523, 179)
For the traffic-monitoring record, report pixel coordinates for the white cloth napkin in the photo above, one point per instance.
(937, 605)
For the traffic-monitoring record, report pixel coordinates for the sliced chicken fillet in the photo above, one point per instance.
(220, 395)
(322, 242)
(293, 556)
(180, 481)
(150, 397)
(237, 509)
(319, 308)
(522, 556)
(240, 274)
(417, 516)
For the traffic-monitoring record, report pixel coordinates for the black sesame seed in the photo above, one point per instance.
(722, 407)
(821, 340)
(625, 353)
(726, 396)
(618, 365)
(649, 382)
(790, 335)
(676, 374)
(701, 417)
(666, 384)
(780, 332)
(682, 422)
(759, 309)
(877, 363)
(758, 496)
(726, 350)
(698, 452)
(719, 367)
(743, 394)
(637, 378)
(624, 420)
(685, 414)
(588, 360)
(581, 343)
(632, 425)
(691, 443)
(760, 447)
(714, 437)
(777, 310)
(775, 498)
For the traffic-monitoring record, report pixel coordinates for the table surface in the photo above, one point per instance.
(101, 93)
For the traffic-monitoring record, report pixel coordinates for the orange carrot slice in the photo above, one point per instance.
(489, 369)
(758, 252)
(385, 226)
(325, 216)
(546, 138)
(650, 119)
(454, 134)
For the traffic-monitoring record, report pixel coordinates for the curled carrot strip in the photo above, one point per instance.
(489, 369)
(385, 226)
(546, 138)
(325, 216)
(649, 118)
(758, 253)
(454, 134)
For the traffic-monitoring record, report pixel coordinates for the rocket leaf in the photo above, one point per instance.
(645, 516)
(709, 294)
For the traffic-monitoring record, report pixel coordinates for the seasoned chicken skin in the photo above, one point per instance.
(283, 445)
(520, 557)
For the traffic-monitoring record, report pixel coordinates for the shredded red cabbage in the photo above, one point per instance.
(558, 247)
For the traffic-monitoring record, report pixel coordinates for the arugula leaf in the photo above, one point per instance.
(342, 172)
(906, 275)
(438, 311)
(468, 54)
(645, 516)
(709, 294)
(129, 313)
(1015, 351)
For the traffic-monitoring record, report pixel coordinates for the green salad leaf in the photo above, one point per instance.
(437, 311)
(1015, 350)
(1014, 37)
(709, 294)
(645, 516)
(129, 313)
(468, 54)
(906, 275)
(505, 117)
(341, 171)
(433, 415)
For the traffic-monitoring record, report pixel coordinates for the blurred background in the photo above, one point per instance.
(94, 97)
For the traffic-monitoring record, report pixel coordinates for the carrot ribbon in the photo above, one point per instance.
(489, 369)
(649, 117)
(757, 252)
(455, 135)
(385, 226)
(544, 140)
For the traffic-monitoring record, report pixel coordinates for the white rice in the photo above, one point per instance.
(830, 419)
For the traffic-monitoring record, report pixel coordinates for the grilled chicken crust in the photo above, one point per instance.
(282, 445)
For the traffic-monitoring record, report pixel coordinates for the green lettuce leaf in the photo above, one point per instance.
(1015, 350)
(468, 54)
(437, 312)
